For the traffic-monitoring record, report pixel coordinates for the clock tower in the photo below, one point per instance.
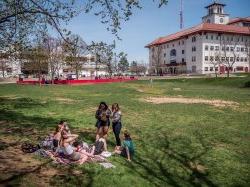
(216, 14)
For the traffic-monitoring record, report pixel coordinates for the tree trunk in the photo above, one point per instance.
(77, 72)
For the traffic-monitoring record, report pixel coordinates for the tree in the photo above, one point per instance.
(22, 18)
(228, 51)
(123, 64)
(215, 61)
(247, 50)
(103, 55)
(75, 49)
(156, 57)
(36, 61)
(138, 68)
(54, 50)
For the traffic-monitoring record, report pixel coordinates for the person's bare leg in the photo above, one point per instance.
(97, 134)
(100, 133)
(105, 132)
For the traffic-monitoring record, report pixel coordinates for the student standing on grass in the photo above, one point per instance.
(116, 124)
(102, 115)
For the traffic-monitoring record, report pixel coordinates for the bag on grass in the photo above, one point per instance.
(29, 148)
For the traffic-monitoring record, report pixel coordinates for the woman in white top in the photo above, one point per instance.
(68, 149)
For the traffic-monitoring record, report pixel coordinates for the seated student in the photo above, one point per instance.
(127, 148)
(57, 136)
(68, 149)
(99, 147)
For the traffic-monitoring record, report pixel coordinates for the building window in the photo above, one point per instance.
(241, 59)
(211, 58)
(238, 59)
(193, 48)
(227, 59)
(173, 45)
(238, 49)
(212, 37)
(246, 49)
(206, 58)
(182, 51)
(182, 60)
(206, 36)
(217, 48)
(182, 42)
(242, 49)
(216, 68)
(193, 39)
(206, 68)
(239, 68)
(164, 54)
(231, 48)
(167, 45)
(173, 52)
(223, 58)
(227, 48)
(223, 48)
(245, 59)
(217, 37)
(217, 58)
(211, 47)
(206, 47)
(164, 62)
(231, 59)
(211, 69)
(221, 20)
(193, 58)
(179, 43)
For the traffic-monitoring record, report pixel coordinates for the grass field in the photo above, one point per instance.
(176, 144)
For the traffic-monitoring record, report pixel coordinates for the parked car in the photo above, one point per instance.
(71, 76)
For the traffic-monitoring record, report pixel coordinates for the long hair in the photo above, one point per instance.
(103, 103)
(127, 135)
(116, 107)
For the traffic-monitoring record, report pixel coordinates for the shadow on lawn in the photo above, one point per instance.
(18, 127)
(164, 168)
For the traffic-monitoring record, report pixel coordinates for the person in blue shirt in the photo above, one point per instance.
(127, 149)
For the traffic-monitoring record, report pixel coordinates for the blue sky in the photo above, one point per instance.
(149, 23)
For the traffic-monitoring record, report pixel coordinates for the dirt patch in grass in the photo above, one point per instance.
(217, 102)
(64, 100)
(177, 89)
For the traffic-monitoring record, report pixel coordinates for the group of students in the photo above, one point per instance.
(65, 142)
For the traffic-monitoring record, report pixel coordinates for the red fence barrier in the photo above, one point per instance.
(76, 82)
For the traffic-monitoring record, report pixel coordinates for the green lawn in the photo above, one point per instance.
(176, 144)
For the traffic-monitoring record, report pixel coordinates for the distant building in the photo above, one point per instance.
(10, 67)
(205, 48)
(89, 68)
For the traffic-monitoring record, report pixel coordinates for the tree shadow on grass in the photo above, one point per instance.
(172, 166)
(16, 127)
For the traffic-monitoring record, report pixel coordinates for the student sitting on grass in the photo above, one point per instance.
(127, 148)
(68, 149)
(99, 147)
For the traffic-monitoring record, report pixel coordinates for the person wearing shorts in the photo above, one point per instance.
(102, 124)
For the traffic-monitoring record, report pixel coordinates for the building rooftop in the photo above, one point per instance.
(203, 27)
(236, 20)
(215, 3)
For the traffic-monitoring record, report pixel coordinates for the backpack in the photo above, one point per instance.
(99, 147)
(29, 148)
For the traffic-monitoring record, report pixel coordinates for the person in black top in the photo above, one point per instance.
(102, 124)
